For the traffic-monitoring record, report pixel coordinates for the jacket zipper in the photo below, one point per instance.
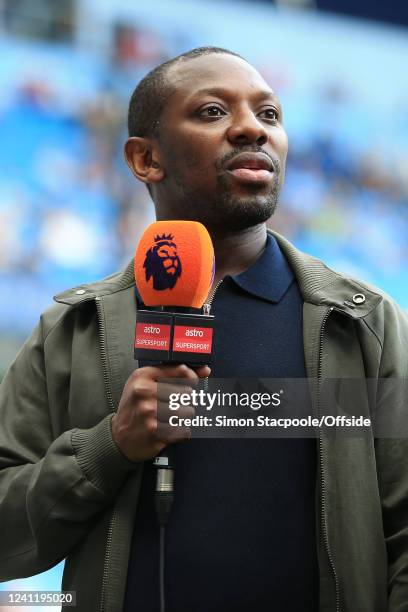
(207, 305)
(206, 311)
(104, 360)
(322, 481)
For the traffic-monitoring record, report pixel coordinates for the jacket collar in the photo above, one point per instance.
(321, 286)
(318, 284)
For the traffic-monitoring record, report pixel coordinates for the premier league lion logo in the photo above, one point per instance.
(162, 263)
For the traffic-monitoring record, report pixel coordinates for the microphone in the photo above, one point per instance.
(174, 271)
(164, 492)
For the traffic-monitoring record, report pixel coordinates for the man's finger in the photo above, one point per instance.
(168, 434)
(164, 413)
(165, 390)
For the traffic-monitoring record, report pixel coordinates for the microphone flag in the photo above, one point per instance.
(174, 270)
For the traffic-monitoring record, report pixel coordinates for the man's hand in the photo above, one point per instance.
(135, 425)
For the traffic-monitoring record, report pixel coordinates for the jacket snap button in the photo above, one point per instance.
(80, 292)
(359, 298)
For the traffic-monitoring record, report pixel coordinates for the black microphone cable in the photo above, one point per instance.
(164, 497)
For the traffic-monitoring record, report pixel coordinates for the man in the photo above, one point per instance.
(263, 524)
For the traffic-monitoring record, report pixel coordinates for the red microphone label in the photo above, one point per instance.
(191, 339)
(154, 336)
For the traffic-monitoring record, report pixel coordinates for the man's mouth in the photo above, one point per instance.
(251, 167)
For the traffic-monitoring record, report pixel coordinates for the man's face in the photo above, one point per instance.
(222, 144)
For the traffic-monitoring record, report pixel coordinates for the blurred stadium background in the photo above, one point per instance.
(70, 211)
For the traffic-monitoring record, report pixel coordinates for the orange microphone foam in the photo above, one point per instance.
(174, 264)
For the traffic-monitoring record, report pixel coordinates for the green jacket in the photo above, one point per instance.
(67, 491)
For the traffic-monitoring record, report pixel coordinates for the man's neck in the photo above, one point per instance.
(236, 252)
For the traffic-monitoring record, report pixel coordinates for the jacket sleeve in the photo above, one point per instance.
(50, 489)
(392, 455)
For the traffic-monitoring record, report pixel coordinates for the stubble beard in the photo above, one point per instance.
(243, 212)
(227, 212)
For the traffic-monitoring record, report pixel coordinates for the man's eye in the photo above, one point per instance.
(212, 111)
(269, 113)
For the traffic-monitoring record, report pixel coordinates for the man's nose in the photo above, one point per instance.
(246, 128)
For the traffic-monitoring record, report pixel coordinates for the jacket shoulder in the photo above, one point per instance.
(321, 285)
(389, 321)
(110, 284)
(68, 299)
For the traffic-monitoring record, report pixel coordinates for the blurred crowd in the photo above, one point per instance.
(70, 211)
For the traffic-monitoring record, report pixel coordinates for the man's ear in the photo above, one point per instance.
(143, 160)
